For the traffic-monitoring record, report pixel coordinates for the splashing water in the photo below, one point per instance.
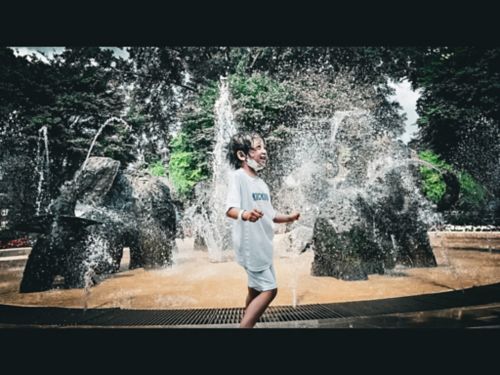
(207, 216)
(339, 148)
(99, 132)
(96, 256)
(343, 155)
(349, 153)
(298, 192)
(42, 165)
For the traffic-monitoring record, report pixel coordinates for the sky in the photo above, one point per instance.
(408, 100)
(50, 51)
(406, 97)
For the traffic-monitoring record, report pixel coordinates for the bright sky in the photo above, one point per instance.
(50, 51)
(408, 100)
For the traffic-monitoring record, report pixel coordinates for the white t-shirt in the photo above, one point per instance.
(253, 242)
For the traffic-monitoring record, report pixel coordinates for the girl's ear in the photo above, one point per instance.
(241, 155)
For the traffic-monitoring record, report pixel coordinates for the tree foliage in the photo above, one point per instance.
(460, 107)
(167, 95)
(72, 95)
(261, 103)
(185, 171)
(473, 195)
(190, 148)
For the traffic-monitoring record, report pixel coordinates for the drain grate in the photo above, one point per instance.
(220, 316)
(53, 316)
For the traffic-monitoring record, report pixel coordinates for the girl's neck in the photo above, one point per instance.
(249, 171)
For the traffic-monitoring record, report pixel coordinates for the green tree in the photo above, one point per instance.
(185, 171)
(72, 95)
(261, 103)
(460, 107)
(156, 80)
(473, 196)
(190, 148)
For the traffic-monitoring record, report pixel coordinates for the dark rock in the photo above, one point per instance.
(115, 209)
(452, 191)
(343, 244)
(375, 218)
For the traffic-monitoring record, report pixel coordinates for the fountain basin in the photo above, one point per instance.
(195, 282)
(467, 240)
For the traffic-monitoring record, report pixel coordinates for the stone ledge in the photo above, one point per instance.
(466, 240)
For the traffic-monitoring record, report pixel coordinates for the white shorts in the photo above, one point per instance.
(262, 280)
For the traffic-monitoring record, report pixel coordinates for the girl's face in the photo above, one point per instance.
(258, 151)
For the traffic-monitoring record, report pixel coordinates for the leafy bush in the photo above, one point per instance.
(433, 184)
(184, 170)
(157, 169)
(472, 194)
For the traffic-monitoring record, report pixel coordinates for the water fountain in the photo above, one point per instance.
(99, 131)
(42, 165)
(352, 181)
(357, 189)
(353, 184)
(206, 216)
(132, 209)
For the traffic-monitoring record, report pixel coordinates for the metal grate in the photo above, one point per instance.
(16, 315)
(220, 316)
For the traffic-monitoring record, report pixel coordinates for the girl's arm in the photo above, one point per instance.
(233, 213)
(279, 218)
(252, 215)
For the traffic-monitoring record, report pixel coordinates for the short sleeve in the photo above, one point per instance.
(233, 193)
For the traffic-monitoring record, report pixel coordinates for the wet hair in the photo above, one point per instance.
(241, 141)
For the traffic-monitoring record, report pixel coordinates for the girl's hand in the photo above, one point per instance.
(253, 215)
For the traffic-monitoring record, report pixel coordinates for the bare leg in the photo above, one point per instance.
(256, 308)
(252, 293)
